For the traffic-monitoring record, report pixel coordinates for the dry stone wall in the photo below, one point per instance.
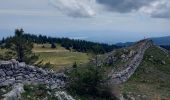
(13, 72)
(124, 75)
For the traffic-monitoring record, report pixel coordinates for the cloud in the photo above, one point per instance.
(75, 8)
(157, 9)
(153, 8)
(90, 8)
(123, 6)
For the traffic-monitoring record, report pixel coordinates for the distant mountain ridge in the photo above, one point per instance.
(161, 40)
(157, 40)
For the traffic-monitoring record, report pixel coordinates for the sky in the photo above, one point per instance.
(108, 21)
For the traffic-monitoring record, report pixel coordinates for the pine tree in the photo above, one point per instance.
(22, 47)
(3, 40)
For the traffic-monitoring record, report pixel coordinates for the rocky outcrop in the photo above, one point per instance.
(13, 72)
(129, 68)
(15, 93)
(61, 95)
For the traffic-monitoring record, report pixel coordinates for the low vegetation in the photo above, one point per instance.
(88, 82)
(38, 92)
(151, 80)
(4, 90)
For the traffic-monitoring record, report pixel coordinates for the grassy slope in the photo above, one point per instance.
(59, 56)
(151, 81)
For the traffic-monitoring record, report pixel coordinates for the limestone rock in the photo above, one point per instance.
(131, 66)
(15, 94)
(13, 72)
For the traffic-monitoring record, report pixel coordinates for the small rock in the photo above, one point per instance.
(163, 62)
(3, 90)
(19, 78)
(28, 96)
(2, 73)
(9, 73)
(22, 64)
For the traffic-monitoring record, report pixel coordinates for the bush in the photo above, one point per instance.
(8, 55)
(44, 66)
(53, 45)
(88, 81)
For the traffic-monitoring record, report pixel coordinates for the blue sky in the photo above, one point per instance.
(108, 21)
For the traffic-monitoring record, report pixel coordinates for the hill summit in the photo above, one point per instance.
(141, 71)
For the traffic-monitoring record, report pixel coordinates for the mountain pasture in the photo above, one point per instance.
(59, 56)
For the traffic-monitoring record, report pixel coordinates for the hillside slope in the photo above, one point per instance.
(151, 81)
(125, 61)
(162, 40)
(141, 71)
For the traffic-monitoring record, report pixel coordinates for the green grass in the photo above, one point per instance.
(2, 51)
(37, 92)
(152, 78)
(61, 59)
(47, 48)
(59, 56)
(4, 90)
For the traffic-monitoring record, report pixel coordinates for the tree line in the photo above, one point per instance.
(69, 44)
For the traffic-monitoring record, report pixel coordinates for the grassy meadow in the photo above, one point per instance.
(59, 56)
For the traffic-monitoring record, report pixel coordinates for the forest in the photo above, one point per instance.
(69, 44)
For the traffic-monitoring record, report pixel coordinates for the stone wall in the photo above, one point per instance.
(13, 72)
(124, 75)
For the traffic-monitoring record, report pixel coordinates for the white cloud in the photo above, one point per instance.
(157, 9)
(86, 8)
(89, 8)
(76, 8)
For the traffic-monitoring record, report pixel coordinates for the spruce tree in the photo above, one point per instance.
(22, 47)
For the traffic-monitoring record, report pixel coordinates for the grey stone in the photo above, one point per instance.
(163, 62)
(123, 75)
(2, 73)
(19, 78)
(15, 94)
(12, 72)
(2, 80)
(3, 90)
(22, 64)
(31, 75)
(9, 73)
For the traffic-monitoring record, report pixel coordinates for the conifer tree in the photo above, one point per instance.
(22, 47)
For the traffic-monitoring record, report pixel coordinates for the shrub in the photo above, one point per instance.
(88, 80)
(53, 45)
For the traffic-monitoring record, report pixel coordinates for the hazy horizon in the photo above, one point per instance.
(94, 38)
